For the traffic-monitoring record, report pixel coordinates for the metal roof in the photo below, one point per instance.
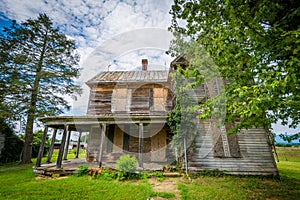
(130, 76)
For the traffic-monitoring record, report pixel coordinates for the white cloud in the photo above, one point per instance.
(91, 23)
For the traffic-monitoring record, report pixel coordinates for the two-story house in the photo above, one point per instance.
(127, 114)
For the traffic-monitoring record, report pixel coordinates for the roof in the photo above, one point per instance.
(179, 60)
(130, 76)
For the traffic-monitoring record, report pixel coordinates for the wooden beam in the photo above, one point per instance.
(185, 155)
(103, 130)
(67, 146)
(78, 144)
(42, 146)
(62, 147)
(51, 146)
(141, 133)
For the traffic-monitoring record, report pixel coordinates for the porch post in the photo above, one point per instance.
(103, 130)
(62, 147)
(42, 146)
(185, 155)
(78, 145)
(141, 135)
(51, 146)
(67, 146)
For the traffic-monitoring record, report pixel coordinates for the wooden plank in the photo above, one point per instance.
(67, 146)
(141, 132)
(103, 130)
(159, 104)
(51, 146)
(62, 147)
(78, 144)
(42, 146)
(158, 144)
(118, 140)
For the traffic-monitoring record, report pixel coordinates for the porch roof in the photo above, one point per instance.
(83, 123)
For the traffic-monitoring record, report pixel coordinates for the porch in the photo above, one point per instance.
(145, 137)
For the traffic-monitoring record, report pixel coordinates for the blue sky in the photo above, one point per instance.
(95, 25)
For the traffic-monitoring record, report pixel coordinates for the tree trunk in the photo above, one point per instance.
(27, 150)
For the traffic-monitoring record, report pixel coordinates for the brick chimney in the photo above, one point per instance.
(144, 64)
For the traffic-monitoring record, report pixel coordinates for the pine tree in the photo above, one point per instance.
(38, 68)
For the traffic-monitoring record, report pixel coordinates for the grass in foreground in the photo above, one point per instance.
(19, 182)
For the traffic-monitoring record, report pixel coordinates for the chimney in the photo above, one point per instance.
(144, 64)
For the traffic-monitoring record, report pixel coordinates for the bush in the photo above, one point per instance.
(159, 176)
(126, 163)
(126, 166)
(13, 145)
(82, 170)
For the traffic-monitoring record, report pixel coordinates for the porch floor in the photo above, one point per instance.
(70, 166)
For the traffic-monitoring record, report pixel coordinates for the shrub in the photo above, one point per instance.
(144, 175)
(126, 166)
(126, 163)
(159, 176)
(82, 170)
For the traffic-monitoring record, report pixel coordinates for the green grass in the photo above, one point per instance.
(19, 182)
(236, 187)
(289, 162)
(230, 187)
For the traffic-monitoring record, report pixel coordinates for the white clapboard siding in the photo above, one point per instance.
(256, 155)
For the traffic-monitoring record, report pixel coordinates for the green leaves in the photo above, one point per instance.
(38, 69)
(35, 50)
(255, 47)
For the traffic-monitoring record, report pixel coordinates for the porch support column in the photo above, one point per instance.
(103, 130)
(42, 146)
(51, 146)
(62, 147)
(67, 146)
(78, 144)
(141, 135)
(185, 155)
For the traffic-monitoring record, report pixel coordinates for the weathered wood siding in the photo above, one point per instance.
(94, 144)
(154, 142)
(100, 100)
(132, 99)
(118, 140)
(255, 154)
(158, 146)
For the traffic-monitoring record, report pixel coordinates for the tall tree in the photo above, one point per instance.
(38, 68)
(255, 46)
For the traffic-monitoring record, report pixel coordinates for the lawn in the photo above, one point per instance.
(235, 187)
(19, 182)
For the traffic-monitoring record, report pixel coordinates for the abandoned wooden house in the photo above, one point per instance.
(127, 114)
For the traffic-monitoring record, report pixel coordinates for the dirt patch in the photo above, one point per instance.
(167, 185)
